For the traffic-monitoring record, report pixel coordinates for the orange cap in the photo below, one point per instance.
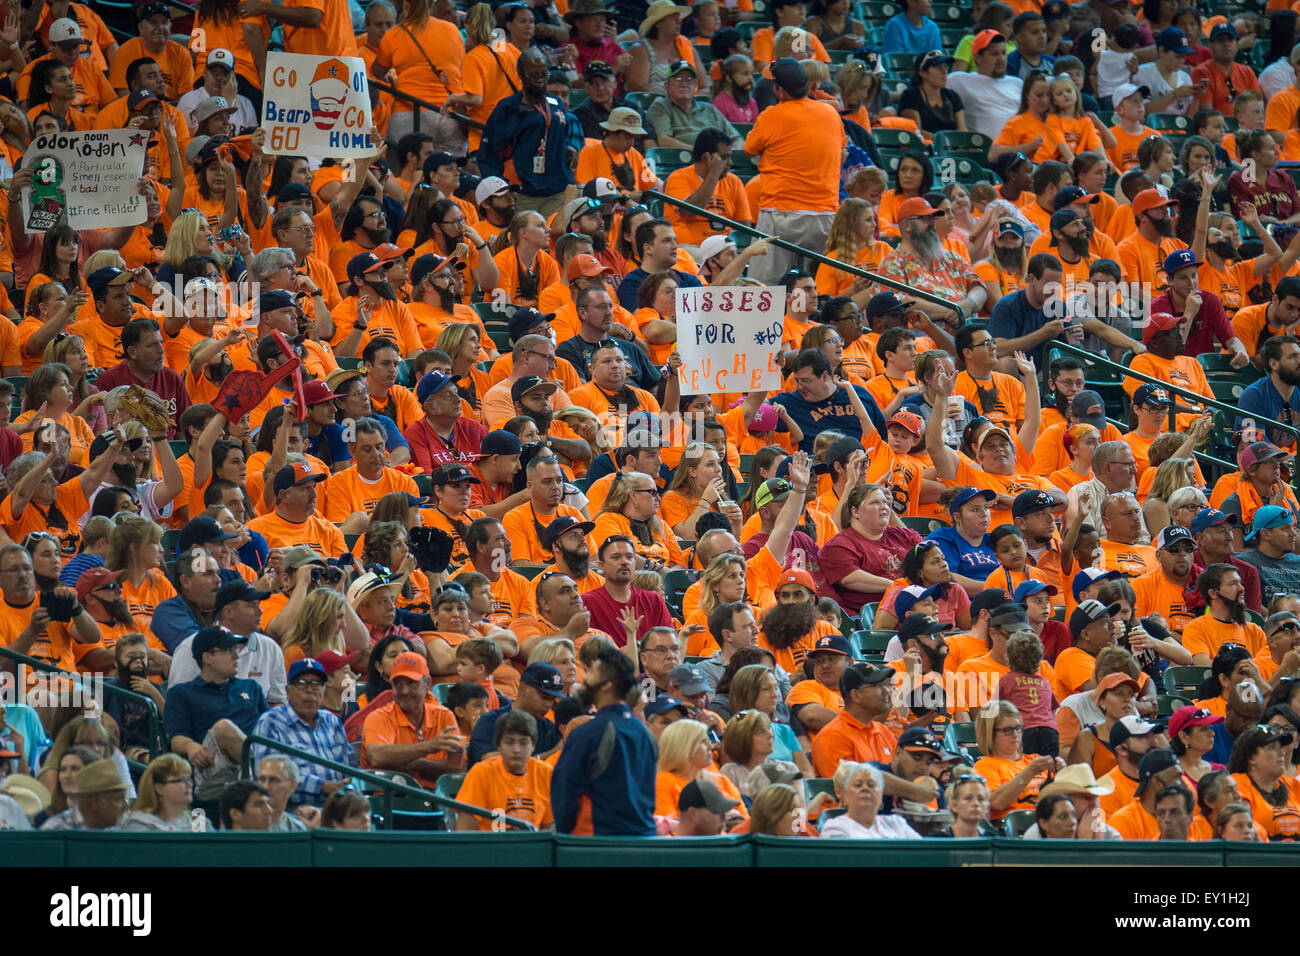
(1111, 681)
(795, 576)
(1149, 199)
(587, 266)
(410, 665)
(916, 206)
(983, 39)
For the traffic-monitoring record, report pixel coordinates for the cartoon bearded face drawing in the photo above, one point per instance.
(328, 93)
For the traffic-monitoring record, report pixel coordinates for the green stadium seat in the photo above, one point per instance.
(960, 735)
(848, 623)
(868, 643)
(1169, 121)
(667, 159)
(676, 582)
(529, 571)
(815, 785)
(405, 371)
(1017, 822)
(743, 165)
(955, 143)
(491, 312)
(923, 526)
(424, 484)
(901, 62)
(348, 361)
(448, 786)
(440, 691)
(867, 616)
(171, 537)
(642, 101)
(942, 13)
(1220, 364)
(500, 337)
(178, 446)
(898, 139)
(1185, 681)
(1166, 704)
(743, 129)
(748, 28)
(577, 98)
(839, 57)
(951, 36)
(878, 10)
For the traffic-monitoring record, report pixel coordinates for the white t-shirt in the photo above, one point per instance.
(989, 103)
(1276, 77)
(244, 119)
(886, 827)
(1148, 75)
(1112, 70)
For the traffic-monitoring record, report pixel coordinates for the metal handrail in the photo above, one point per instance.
(388, 786)
(806, 253)
(422, 104)
(157, 744)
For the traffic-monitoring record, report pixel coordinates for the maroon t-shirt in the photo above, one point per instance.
(1210, 324)
(1032, 695)
(165, 383)
(849, 551)
(1056, 637)
(606, 612)
(800, 543)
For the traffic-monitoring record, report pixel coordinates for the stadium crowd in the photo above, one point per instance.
(960, 574)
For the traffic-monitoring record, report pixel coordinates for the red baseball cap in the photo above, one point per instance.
(314, 393)
(95, 578)
(587, 266)
(984, 38)
(909, 420)
(1190, 716)
(333, 660)
(1159, 322)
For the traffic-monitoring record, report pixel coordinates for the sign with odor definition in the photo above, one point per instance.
(90, 178)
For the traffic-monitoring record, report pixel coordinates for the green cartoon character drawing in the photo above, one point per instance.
(48, 202)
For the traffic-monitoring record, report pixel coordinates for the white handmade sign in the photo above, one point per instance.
(91, 178)
(316, 106)
(729, 338)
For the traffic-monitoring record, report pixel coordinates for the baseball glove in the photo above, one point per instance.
(148, 409)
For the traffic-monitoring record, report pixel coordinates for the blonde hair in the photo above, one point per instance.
(167, 765)
(848, 769)
(1060, 82)
(452, 337)
(678, 741)
(783, 44)
(692, 456)
(712, 577)
(1171, 474)
(548, 651)
(137, 430)
(987, 721)
(843, 243)
(479, 24)
(133, 533)
(180, 240)
(316, 627)
(950, 792)
(854, 76)
(103, 259)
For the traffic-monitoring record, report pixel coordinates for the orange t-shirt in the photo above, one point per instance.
(968, 474)
(1007, 394)
(1023, 128)
(1130, 560)
(331, 37)
(801, 173)
(492, 75)
(143, 600)
(1124, 154)
(729, 199)
(1143, 261)
(512, 596)
(847, 738)
(596, 161)
(389, 320)
(763, 44)
(1231, 284)
(664, 547)
(999, 770)
(346, 492)
(438, 41)
(175, 62)
(669, 787)
(833, 281)
(1279, 822)
(546, 269)
(70, 498)
(389, 725)
(1205, 635)
(1076, 132)
(525, 540)
(1156, 594)
(316, 533)
(527, 797)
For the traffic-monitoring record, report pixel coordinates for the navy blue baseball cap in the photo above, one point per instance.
(1179, 258)
(272, 299)
(545, 678)
(1212, 518)
(1174, 40)
(833, 644)
(1090, 576)
(306, 665)
(432, 382)
(663, 703)
(1034, 499)
(969, 494)
(1026, 588)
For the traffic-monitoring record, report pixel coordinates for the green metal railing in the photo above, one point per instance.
(389, 787)
(798, 250)
(157, 743)
(422, 105)
(1091, 358)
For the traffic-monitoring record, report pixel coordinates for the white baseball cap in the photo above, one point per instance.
(1125, 90)
(712, 245)
(489, 186)
(221, 57)
(64, 30)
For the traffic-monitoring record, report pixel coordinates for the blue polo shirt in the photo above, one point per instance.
(606, 775)
(963, 557)
(834, 412)
(193, 707)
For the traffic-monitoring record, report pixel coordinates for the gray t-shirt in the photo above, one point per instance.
(1276, 575)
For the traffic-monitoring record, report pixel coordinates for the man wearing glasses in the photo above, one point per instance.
(452, 235)
(302, 723)
(1281, 658)
(239, 609)
(100, 594)
(532, 355)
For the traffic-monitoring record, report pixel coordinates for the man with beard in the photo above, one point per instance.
(585, 216)
(609, 395)
(198, 578)
(1275, 395)
(921, 262)
(155, 497)
(1071, 239)
(451, 235)
(596, 313)
(1078, 201)
(372, 311)
(1214, 545)
(1165, 359)
(294, 521)
(1049, 178)
(1005, 266)
(1225, 620)
(526, 523)
(1143, 253)
(130, 661)
(490, 554)
(604, 780)
(1202, 309)
(990, 96)
(443, 434)
(533, 398)
(1236, 281)
(101, 596)
(363, 228)
(532, 356)
(535, 125)
(540, 686)
(1162, 590)
(616, 598)
(145, 364)
(792, 627)
(566, 539)
(495, 200)
(238, 609)
(436, 286)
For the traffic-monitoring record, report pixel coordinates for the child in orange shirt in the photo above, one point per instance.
(1069, 130)
(511, 782)
(1009, 548)
(476, 659)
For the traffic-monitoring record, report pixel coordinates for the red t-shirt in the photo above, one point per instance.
(849, 551)
(166, 383)
(1211, 323)
(606, 612)
(1032, 694)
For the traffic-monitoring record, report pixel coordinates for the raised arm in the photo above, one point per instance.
(779, 540)
(944, 458)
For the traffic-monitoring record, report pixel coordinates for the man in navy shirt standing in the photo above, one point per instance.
(529, 136)
(1275, 396)
(207, 718)
(604, 781)
(819, 402)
